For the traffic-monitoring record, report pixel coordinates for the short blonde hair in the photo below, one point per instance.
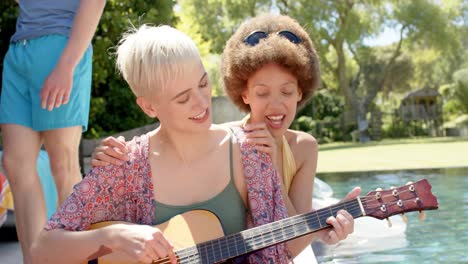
(150, 56)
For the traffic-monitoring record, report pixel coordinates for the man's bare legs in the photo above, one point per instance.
(62, 145)
(21, 147)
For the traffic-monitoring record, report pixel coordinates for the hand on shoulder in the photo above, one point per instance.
(111, 150)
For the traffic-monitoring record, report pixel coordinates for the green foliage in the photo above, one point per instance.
(322, 105)
(450, 107)
(461, 76)
(455, 96)
(427, 67)
(113, 106)
(427, 23)
(373, 64)
(216, 20)
(187, 23)
(306, 124)
(212, 62)
(8, 14)
(461, 94)
(321, 117)
(460, 121)
(400, 129)
(340, 27)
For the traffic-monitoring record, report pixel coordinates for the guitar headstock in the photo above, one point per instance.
(415, 196)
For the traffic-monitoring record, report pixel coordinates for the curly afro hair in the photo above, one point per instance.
(240, 60)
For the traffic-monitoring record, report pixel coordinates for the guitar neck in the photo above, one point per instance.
(257, 238)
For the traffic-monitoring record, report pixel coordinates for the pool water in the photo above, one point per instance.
(441, 238)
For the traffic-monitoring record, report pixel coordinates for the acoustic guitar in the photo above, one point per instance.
(198, 236)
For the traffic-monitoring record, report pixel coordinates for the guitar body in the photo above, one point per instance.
(183, 231)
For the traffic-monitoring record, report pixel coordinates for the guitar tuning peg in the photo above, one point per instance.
(379, 189)
(422, 215)
(389, 222)
(405, 219)
(408, 183)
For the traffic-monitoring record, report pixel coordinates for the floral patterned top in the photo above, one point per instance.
(265, 198)
(111, 193)
(125, 193)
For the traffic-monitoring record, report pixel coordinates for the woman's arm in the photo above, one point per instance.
(61, 246)
(139, 242)
(299, 198)
(99, 197)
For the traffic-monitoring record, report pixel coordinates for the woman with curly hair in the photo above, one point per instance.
(270, 68)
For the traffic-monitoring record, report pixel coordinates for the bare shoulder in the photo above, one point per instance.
(303, 145)
(221, 132)
(305, 150)
(301, 141)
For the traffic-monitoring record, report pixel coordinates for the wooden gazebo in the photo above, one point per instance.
(423, 105)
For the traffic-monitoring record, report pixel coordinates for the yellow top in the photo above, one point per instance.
(289, 163)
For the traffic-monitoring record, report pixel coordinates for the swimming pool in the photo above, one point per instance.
(441, 238)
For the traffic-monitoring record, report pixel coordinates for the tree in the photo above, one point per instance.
(342, 27)
(8, 14)
(113, 106)
(347, 24)
(461, 94)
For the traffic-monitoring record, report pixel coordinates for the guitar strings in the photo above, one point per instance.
(307, 218)
(265, 235)
(192, 252)
(227, 245)
(270, 235)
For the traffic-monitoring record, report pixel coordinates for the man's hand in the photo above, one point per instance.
(57, 87)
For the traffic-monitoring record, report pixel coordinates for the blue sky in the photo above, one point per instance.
(388, 36)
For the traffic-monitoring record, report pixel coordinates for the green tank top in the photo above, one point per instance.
(232, 217)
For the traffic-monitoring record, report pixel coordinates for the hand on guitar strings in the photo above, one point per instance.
(141, 242)
(342, 224)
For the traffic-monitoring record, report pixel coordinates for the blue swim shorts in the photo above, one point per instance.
(25, 68)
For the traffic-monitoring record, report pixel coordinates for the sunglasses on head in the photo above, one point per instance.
(254, 38)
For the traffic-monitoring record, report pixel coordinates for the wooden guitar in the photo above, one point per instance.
(198, 236)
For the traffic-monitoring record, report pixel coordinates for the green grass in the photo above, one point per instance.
(394, 154)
